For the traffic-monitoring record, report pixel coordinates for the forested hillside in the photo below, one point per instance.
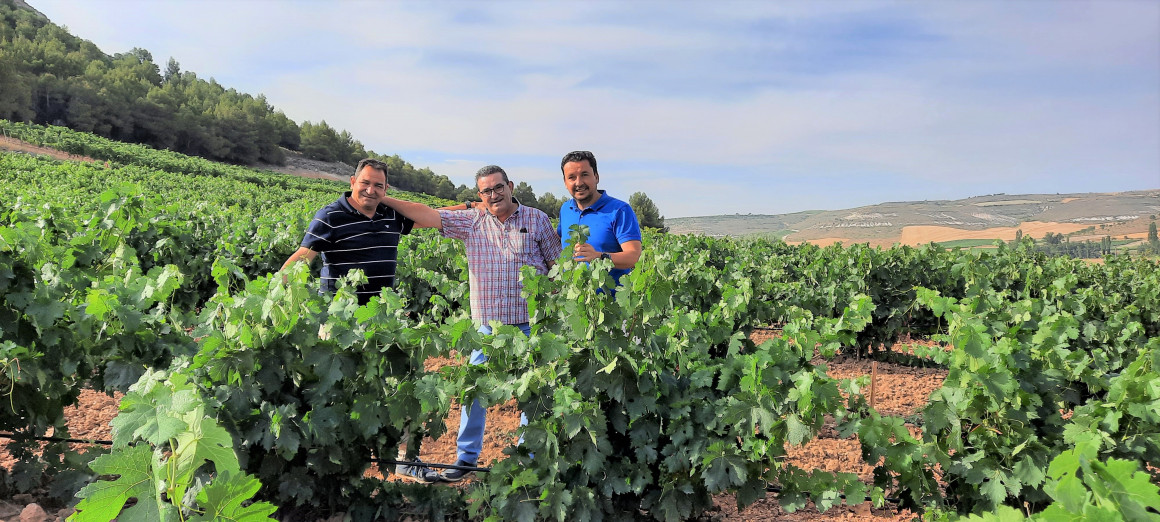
(51, 77)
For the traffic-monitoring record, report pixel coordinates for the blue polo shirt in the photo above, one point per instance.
(347, 240)
(610, 222)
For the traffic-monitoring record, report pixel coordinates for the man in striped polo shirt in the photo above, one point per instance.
(500, 238)
(356, 231)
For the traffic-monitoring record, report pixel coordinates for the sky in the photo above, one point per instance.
(709, 107)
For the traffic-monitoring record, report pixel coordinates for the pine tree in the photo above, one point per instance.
(525, 195)
(646, 212)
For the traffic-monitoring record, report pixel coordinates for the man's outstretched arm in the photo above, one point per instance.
(422, 215)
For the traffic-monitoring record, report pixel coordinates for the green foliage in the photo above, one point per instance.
(550, 204)
(164, 449)
(1083, 487)
(1055, 337)
(968, 243)
(525, 195)
(646, 211)
(642, 403)
(321, 142)
(53, 77)
(332, 384)
(100, 275)
(654, 399)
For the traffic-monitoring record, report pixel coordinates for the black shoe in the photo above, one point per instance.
(420, 473)
(455, 475)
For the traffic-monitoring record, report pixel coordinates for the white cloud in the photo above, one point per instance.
(925, 95)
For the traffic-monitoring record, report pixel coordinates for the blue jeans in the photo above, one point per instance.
(472, 420)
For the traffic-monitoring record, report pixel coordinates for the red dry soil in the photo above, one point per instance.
(899, 390)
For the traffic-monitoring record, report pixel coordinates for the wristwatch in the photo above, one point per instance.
(467, 205)
(604, 255)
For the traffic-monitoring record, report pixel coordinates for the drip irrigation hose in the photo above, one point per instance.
(777, 489)
(770, 488)
(57, 439)
(430, 465)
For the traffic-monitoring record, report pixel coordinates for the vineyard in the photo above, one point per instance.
(152, 274)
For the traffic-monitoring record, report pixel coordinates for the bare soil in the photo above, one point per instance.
(921, 235)
(899, 390)
(15, 145)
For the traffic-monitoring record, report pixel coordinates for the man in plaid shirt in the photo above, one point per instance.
(500, 237)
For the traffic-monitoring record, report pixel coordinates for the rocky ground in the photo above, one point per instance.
(900, 390)
(299, 165)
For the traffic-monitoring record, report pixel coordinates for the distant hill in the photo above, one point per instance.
(912, 222)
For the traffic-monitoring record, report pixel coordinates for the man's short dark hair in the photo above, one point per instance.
(579, 155)
(372, 163)
(489, 170)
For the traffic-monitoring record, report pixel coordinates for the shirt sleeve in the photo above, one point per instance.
(406, 224)
(627, 228)
(548, 240)
(457, 224)
(318, 235)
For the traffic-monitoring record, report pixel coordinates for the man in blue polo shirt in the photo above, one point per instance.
(614, 232)
(356, 231)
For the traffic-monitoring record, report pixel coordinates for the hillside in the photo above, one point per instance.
(296, 163)
(996, 216)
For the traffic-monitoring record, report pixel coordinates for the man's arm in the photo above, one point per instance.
(547, 240)
(422, 215)
(302, 254)
(466, 205)
(627, 257)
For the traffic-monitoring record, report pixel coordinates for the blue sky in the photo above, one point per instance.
(721, 107)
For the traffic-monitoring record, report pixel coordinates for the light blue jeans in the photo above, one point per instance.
(472, 420)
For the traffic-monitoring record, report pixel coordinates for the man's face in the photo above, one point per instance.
(581, 181)
(495, 192)
(367, 188)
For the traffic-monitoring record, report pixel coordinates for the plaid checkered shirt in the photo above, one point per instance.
(495, 252)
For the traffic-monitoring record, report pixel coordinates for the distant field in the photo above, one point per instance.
(1008, 202)
(968, 243)
(779, 234)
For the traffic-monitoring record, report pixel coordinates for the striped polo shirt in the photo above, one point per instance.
(347, 240)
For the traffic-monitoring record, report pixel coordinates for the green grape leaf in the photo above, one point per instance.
(222, 499)
(135, 468)
(724, 472)
(153, 416)
(1129, 487)
(203, 441)
(797, 432)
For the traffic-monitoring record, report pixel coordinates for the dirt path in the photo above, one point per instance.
(15, 145)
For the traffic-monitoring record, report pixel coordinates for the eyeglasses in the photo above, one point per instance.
(498, 189)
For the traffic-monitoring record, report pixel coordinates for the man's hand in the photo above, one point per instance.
(302, 254)
(626, 258)
(586, 252)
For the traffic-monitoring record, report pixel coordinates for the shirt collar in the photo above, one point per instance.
(595, 206)
(345, 204)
